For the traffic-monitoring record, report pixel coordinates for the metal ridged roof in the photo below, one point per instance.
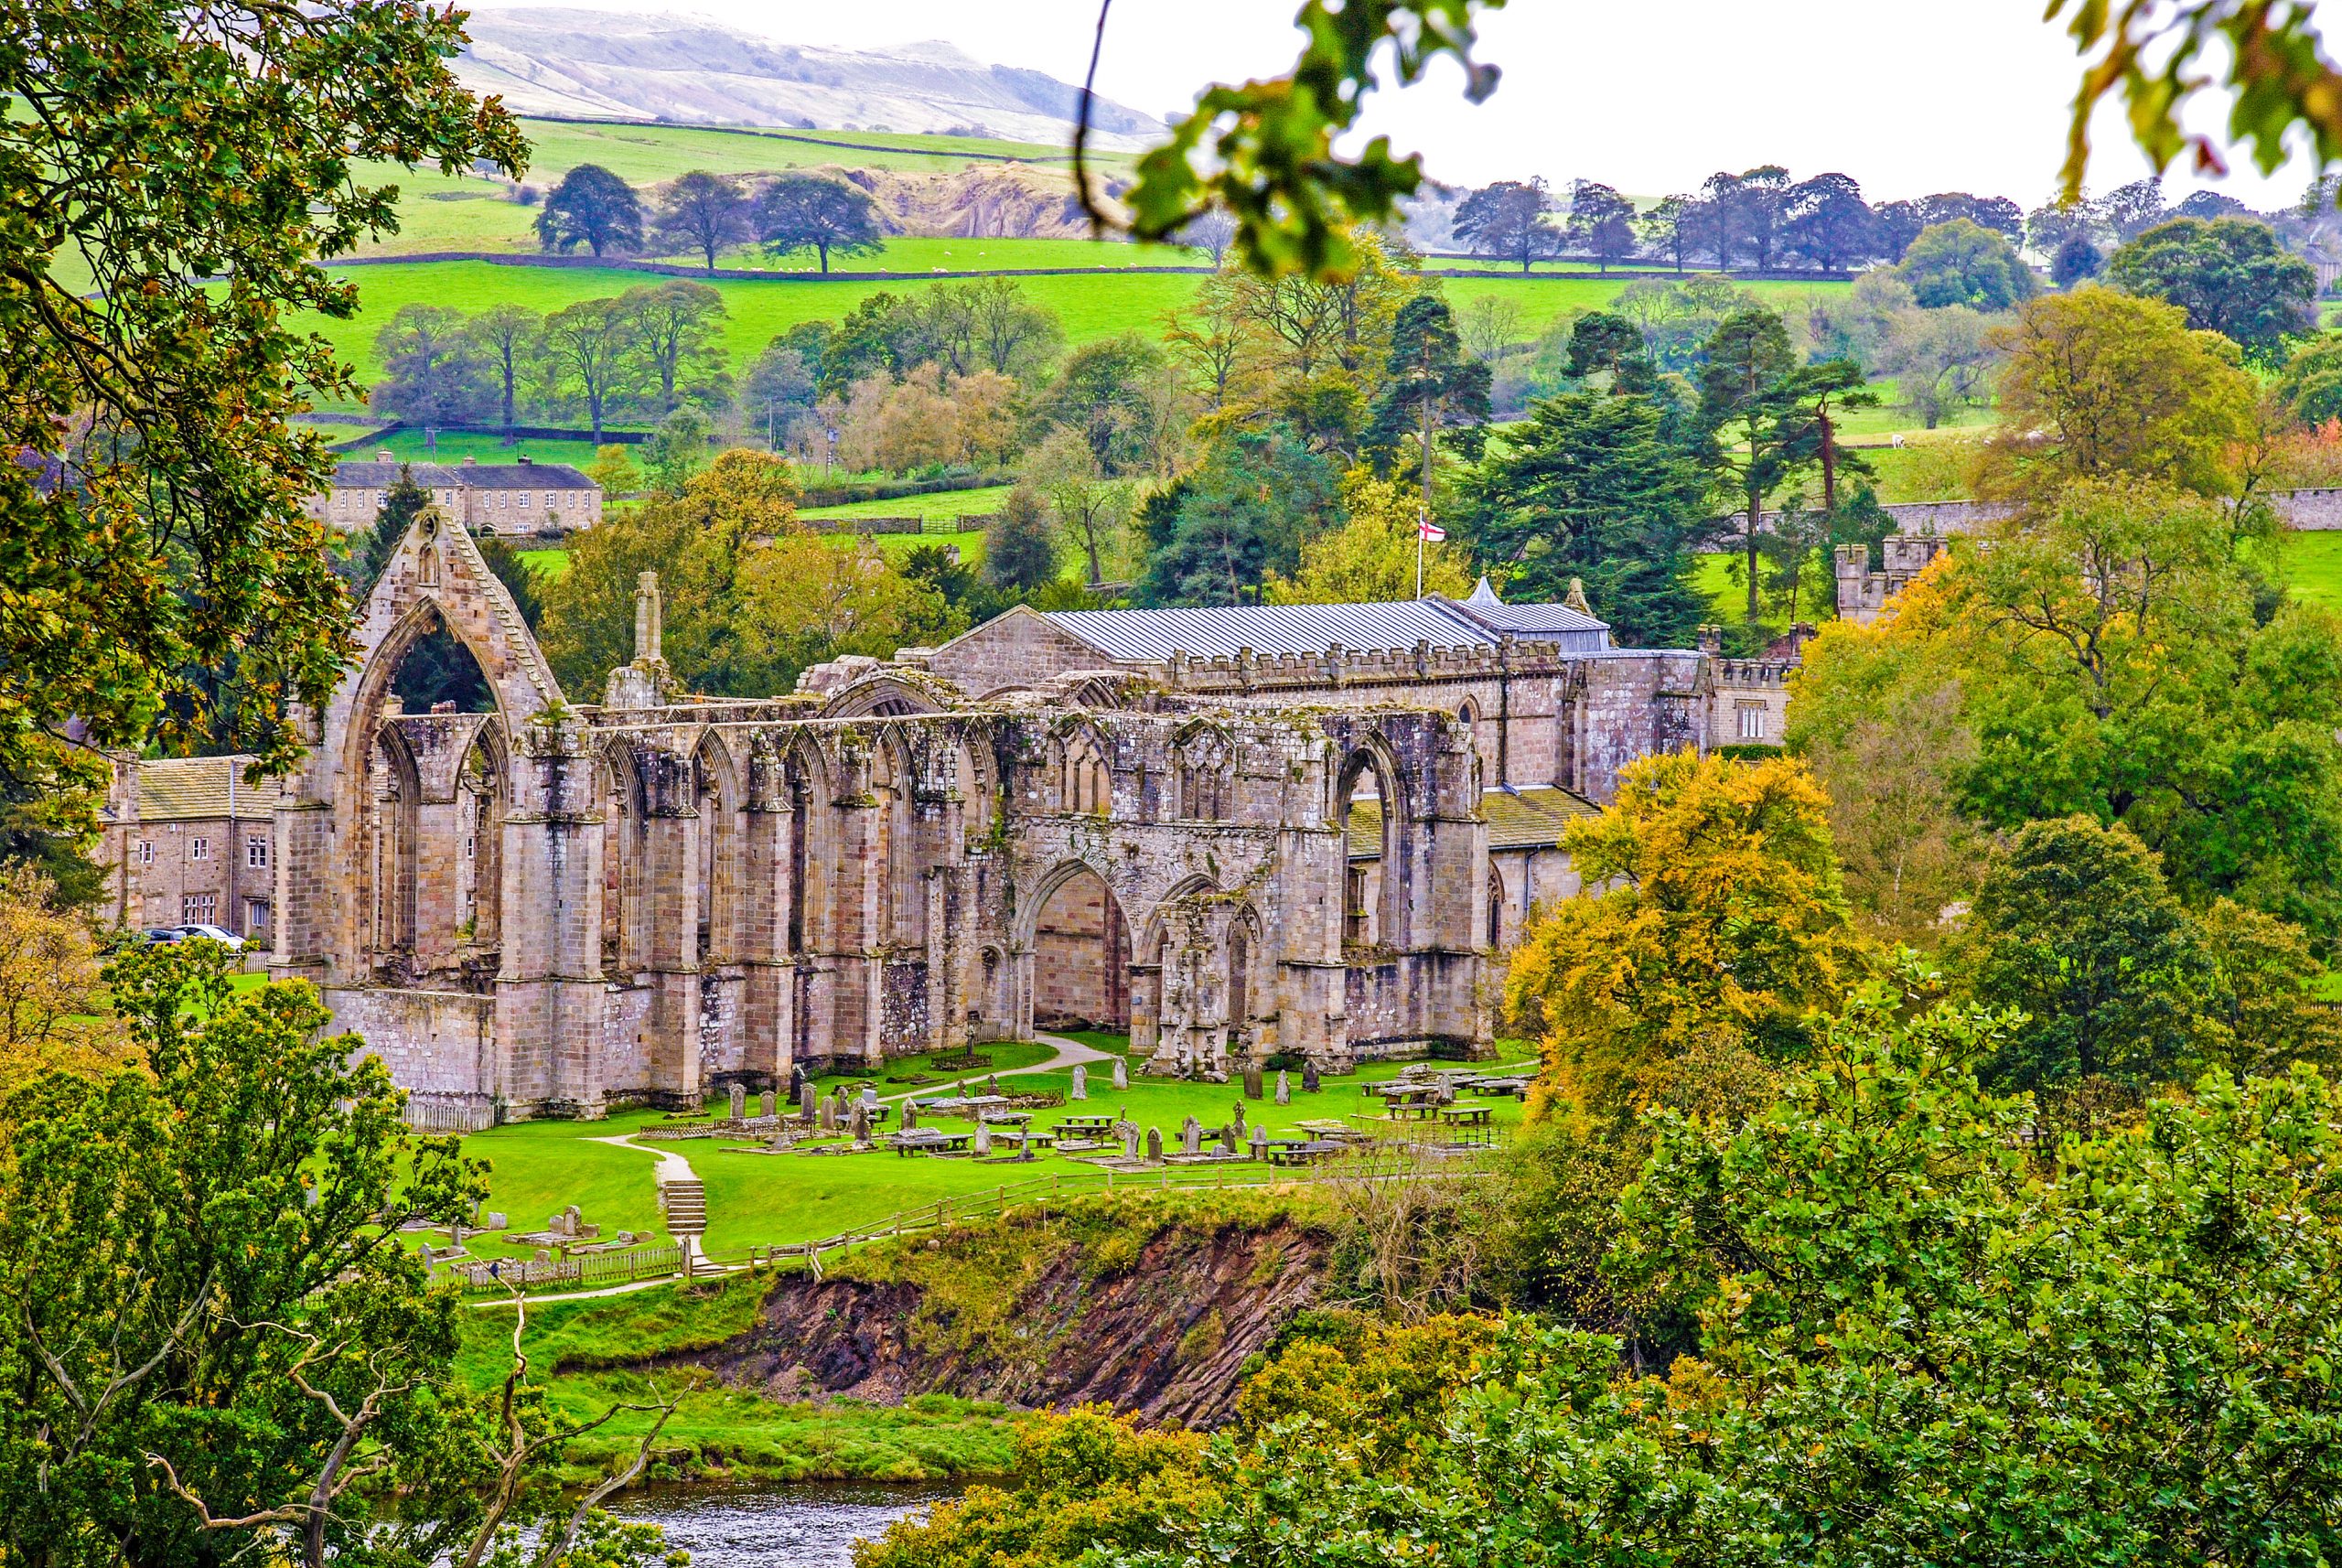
(1222, 631)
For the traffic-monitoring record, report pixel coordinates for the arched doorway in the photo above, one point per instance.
(1081, 957)
(1366, 807)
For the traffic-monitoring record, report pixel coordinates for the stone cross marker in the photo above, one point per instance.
(739, 1102)
(1121, 1072)
(1239, 1118)
(1252, 1081)
(1154, 1144)
(1284, 1088)
(1080, 1089)
(992, 1084)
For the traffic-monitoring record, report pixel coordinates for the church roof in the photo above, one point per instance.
(1221, 631)
(1526, 816)
(193, 789)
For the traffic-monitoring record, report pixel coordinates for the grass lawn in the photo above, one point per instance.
(407, 445)
(942, 503)
(2313, 568)
(550, 562)
(538, 1168)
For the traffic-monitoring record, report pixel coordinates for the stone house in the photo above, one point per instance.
(1298, 832)
(188, 841)
(522, 497)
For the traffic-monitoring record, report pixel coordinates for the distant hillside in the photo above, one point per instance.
(693, 72)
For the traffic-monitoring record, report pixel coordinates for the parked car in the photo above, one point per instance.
(163, 935)
(221, 934)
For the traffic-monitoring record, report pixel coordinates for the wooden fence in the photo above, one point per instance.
(582, 1272)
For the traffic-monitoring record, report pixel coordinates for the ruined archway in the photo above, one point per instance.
(1081, 956)
(1370, 809)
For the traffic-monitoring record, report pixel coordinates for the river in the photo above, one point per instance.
(775, 1527)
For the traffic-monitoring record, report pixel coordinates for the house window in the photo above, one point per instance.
(255, 917)
(551, 499)
(524, 500)
(256, 852)
(446, 498)
(146, 852)
(197, 908)
(1752, 720)
(471, 845)
(198, 849)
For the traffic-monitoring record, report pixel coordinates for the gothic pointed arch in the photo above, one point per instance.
(720, 802)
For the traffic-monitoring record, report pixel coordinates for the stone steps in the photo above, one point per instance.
(685, 1203)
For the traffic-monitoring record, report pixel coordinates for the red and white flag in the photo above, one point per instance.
(1432, 532)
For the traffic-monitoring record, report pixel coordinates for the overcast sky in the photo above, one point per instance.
(1649, 95)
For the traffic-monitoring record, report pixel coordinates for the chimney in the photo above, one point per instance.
(524, 462)
(1711, 639)
(385, 454)
(470, 462)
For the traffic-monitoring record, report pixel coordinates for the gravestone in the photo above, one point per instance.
(1191, 1137)
(1128, 1131)
(1239, 1118)
(1121, 1072)
(1252, 1081)
(1309, 1078)
(992, 1084)
(1284, 1088)
(910, 1114)
(796, 1082)
(739, 1102)
(1080, 1089)
(766, 1104)
(1260, 1143)
(983, 1140)
(1228, 1136)
(829, 1115)
(860, 1125)
(870, 1099)
(806, 1099)
(1154, 1144)
(545, 1254)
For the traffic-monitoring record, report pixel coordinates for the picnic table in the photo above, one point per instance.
(1335, 1132)
(1085, 1124)
(1042, 1139)
(931, 1141)
(1004, 1118)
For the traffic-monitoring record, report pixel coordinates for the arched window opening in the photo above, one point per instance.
(394, 792)
(437, 674)
(1366, 809)
(1239, 976)
(1496, 910)
(800, 812)
(481, 875)
(623, 847)
(1205, 781)
(1081, 957)
(1084, 783)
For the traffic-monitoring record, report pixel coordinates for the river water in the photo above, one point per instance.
(775, 1527)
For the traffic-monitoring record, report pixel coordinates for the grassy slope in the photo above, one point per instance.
(943, 503)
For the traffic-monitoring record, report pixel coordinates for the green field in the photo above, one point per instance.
(2312, 568)
(942, 503)
(407, 447)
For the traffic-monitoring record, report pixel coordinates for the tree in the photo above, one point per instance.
(1829, 223)
(1591, 488)
(1432, 385)
(593, 207)
(2075, 928)
(370, 554)
(2260, 1006)
(1099, 393)
(505, 336)
(1602, 222)
(1371, 558)
(807, 212)
(1510, 219)
(1021, 544)
(1090, 507)
(777, 392)
(520, 579)
(676, 333)
(1942, 360)
(2096, 384)
(2077, 260)
(1722, 919)
(1962, 262)
(1672, 228)
(1209, 233)
(676, 451)
(1240, 515)
(804, 600)
(1743, 394)
(434, 374)
(2230, 276)
(1601, 343)
(1753, 206)
(1011, 335)
(50, 994)
(589, 357)
(2132, 209)
(1899, 224)
(163, 584)
(2310, 386)
(1998, 213)
(702, 211)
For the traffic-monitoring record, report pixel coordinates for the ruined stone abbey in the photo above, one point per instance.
(1295, 832)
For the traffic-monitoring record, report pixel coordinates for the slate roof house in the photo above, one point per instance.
(522, 497)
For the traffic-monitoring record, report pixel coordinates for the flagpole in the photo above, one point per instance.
(1422, 523)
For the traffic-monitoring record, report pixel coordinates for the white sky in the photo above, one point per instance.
(1649, 95)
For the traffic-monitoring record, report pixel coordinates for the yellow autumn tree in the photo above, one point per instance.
(1370, 559)
(50, 994)
(1714, 922)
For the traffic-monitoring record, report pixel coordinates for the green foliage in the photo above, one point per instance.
(1962, 262)
(1432, 385)
(1598, 490)
(1603, 342)
(704, 212)
(1021, 544)
(160, 579)
(434, 373)
(2075, 928)
(2230, 276)
(520, 579)
(1264, 151)
(676, 451)
(1240, 515)
(1511, 220)
(2310, 386)
(593, 207)
(1919, 1342)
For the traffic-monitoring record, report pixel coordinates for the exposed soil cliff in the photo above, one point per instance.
(1157, 1319)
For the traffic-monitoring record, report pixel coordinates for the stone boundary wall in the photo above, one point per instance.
(2311, 510)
